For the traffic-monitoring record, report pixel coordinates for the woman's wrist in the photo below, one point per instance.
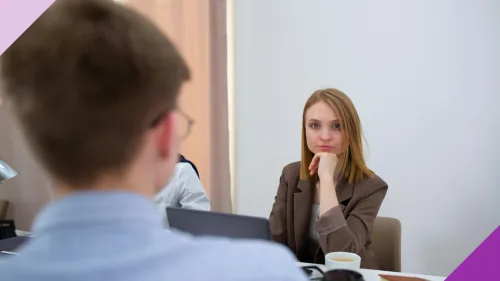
(328, 194)
(326, 178)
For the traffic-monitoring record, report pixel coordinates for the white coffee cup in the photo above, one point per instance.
(342, 260)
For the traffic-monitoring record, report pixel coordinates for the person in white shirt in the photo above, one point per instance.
(183, 191)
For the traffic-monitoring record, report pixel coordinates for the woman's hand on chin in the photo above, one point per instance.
(324, 164)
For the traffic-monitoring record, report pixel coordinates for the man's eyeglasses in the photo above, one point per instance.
(184, 123)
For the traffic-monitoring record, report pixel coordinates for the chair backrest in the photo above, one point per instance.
(4, 206)
(386, 243)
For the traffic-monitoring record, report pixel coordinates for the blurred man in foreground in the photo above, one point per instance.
(95, 88)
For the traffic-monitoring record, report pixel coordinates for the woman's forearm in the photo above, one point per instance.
(328, 196)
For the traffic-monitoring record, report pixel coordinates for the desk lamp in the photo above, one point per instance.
(6, 172)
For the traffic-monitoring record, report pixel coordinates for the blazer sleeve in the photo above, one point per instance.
(277, 219)
(350, 234)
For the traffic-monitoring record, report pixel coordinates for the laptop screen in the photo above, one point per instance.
(203, 223)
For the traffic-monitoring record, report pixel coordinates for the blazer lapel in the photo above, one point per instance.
(302, 212)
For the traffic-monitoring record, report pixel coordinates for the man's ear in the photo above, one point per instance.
(166, 135)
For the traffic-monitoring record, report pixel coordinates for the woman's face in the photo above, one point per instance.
(323, 133)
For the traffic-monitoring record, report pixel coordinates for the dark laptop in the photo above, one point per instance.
(13, 243)
(203, 223)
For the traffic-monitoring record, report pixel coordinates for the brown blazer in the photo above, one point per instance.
(346, 227)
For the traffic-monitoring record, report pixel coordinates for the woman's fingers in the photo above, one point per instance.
(313, 171)
(314, 161)
(313, 167)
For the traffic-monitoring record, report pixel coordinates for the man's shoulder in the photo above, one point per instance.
(183, 172)
(184, 160)
(178, 256)
(247, 259)
(185, 169)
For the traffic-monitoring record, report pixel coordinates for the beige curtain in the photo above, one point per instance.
(198, 28)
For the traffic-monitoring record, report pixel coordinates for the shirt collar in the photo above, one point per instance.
(90, 207)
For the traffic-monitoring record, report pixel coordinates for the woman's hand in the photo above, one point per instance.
(324, 164)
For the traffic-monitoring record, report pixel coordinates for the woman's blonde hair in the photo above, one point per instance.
(353, 163)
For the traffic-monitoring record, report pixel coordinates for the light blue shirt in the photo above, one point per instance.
(107, 236)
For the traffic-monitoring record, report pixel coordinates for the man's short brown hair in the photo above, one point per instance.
(87, 79)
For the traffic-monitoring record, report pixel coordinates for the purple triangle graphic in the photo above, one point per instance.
(16, 16)
(483, 263)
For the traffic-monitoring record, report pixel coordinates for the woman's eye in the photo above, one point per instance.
(336, 126)
(314, 125)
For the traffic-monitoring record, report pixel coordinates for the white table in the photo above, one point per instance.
(373, 275)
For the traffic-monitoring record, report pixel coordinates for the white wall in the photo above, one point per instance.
(423, 75)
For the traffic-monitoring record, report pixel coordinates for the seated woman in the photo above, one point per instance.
(183, 191)
(329, 200)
